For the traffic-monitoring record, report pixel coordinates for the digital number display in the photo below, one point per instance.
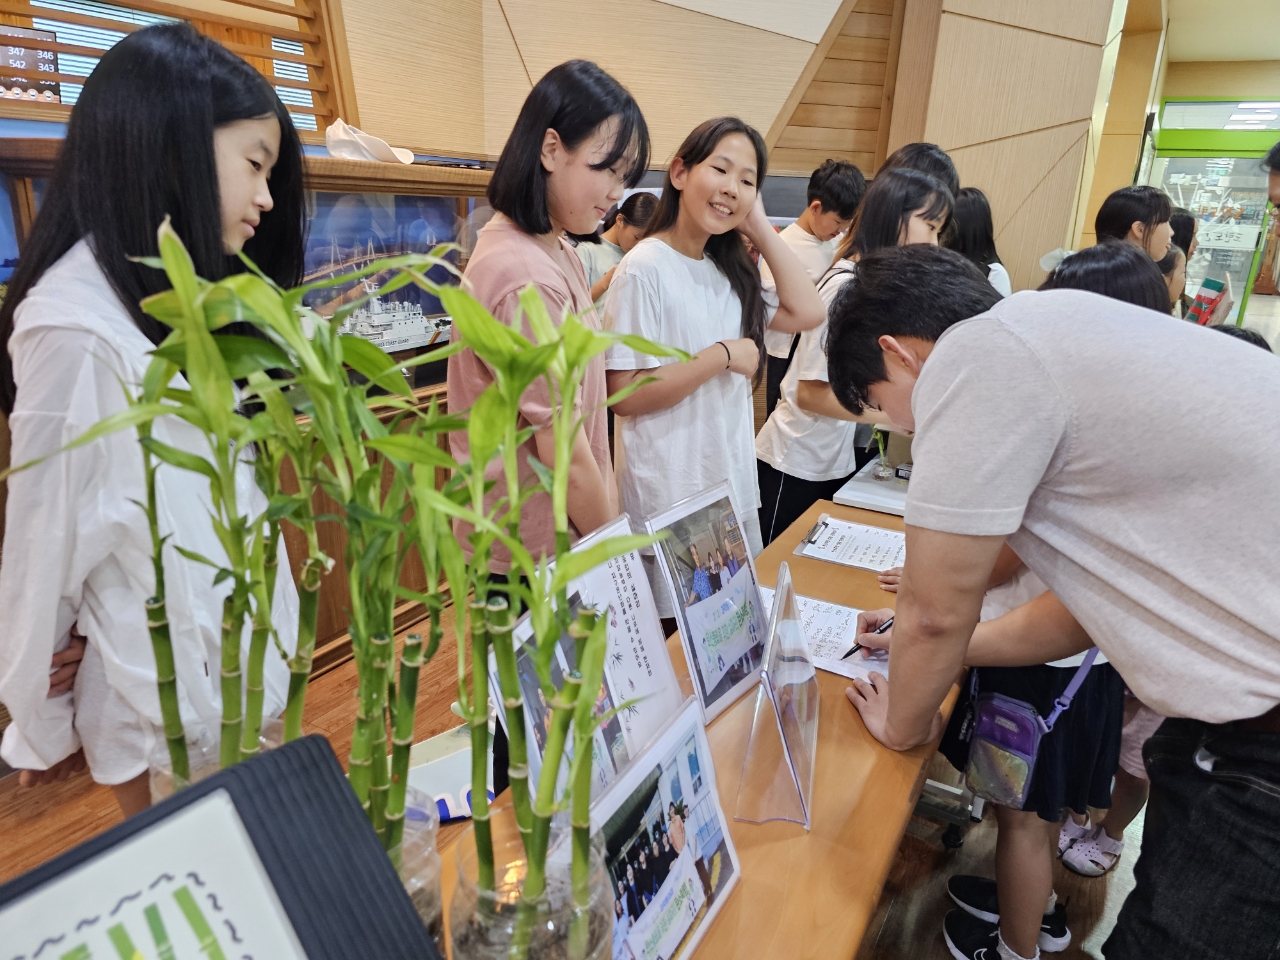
(14, 56)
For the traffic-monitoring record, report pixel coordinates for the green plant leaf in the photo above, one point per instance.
(486, 425)
(283, 505)
(576, 563)
(375, 364)
(201, 558)
(494, 342)
(165, 307)
(546, 479)
(124, 419)
(180, 458)
(628, 390)
(412, 449)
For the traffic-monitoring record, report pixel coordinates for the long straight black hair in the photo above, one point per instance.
(973, 233)
(139, 147)
(726, 250)
(573, 99)
(894, 195)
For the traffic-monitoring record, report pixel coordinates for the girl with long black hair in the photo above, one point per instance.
(170, 123)
(974, 235)
(690, 283)
(809, 447)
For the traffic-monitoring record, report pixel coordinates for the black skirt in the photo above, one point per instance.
(1079, 757)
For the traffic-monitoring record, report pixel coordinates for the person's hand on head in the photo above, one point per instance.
(756, 223)
(890, 579)
(65, 664)
(55, 774)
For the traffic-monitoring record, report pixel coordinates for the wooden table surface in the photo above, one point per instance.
(808, 894)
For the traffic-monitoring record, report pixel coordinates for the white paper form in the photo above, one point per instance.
(830, 631)
(854, 545)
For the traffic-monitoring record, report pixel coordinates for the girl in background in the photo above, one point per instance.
(1137, 215)
(807, 449)
(1117, 270)
(579, 140)
(974, 236)
(1174, 269)
(690, 284)
(177, 126)
(625, 232)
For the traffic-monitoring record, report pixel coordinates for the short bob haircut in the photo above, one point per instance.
(894, 195)
(914, 291)
(1149, 206)
(927, 158)
(1183, 222)
(1114, 269)
(839, 186)
(974, 233)
(139, 147)
(573, 99)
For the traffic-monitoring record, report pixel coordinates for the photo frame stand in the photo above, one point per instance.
(777, 771)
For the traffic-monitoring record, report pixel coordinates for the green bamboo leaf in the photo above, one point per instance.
(412, 449)
(283, 505)
(165, 307)
(441, 353)
(649, 347)
(486, 425)
(178, 266)
(494, 342)
(527, 366)
(578, 562)
(628, 390)
(200, 558)
(123, 420)
(540, 320)
(242, 355)
(180, 458)
(259, 297)
(546, 479)
(222, 575)
(375, 364)
(580, 342)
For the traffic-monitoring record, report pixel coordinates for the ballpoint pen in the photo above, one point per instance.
(857, 646)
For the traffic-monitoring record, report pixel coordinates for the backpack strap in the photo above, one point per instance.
(1073, 688)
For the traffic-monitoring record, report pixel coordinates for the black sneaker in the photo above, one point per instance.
(969, 938)
(976, 896)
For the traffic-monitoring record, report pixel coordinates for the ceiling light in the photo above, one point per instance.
(1253, 117)
(1273, 105)
(1243, 126)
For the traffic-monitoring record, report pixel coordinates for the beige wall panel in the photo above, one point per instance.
(801, 163)
(1022, 81)
(868, 24)
(438, 111)
(850, 71)
(660, 52)
(1114, 169)
(1246, 79)
(820, 138)
(920, 26)
(1008, 171)
(844, 94)
(803, 19)
(1041, 221)
(506, 82)
(884, 7)
(1085, 20)
(848, 118)
(859, 48)
(1131, 87)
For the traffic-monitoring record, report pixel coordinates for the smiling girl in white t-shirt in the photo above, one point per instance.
(690, 284)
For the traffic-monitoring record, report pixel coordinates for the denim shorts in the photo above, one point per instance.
(1207, 883)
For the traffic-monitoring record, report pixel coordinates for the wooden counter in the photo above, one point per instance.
(809, 894)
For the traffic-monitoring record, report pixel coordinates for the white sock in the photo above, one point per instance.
(1053, 902)
(1006, 953)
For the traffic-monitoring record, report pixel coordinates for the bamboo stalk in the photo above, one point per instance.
(500, 625)
(232, 708)
(402, 739)
(359, 766)
(591, 667)
(300, 662)
(167, 684)
(479, 723)
(379, 780)
(252, 727)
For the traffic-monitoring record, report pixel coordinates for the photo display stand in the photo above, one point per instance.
(715, 592)
(640, 692)
(271, 859)
(777, 771)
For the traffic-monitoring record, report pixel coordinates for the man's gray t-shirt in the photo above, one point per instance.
(1134, 464)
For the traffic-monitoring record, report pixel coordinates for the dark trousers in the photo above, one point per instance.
(783, 498)
(775, 369)
(1207, 883)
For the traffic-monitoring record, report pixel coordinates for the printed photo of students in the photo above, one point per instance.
(808, 448)
(600, 254)
(835, 190)
(690, 283)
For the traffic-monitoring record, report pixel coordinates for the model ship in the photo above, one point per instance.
(396, 326)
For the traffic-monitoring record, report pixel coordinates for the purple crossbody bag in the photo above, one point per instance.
(1006, 740)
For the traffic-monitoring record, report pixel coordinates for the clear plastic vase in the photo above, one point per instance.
(420, 865)
(484, 924)
(203, 745)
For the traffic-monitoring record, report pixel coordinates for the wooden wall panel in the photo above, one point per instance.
(506, 80)
(1077, 20)
(845, 107)
(1247, 79)
(805, 20)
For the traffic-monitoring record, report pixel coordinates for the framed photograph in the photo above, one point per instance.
(716, 596)
(670, 858)
(640, 690)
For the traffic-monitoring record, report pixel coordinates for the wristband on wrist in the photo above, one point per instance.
(728, 357)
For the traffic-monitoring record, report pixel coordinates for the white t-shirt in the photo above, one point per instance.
(998, 277)
(1063, 420)
(794, 441)
(816, 256)
(706, 438)
(1023, 587)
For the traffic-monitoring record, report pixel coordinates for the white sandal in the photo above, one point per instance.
(1094, 855)
(1071, 832)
